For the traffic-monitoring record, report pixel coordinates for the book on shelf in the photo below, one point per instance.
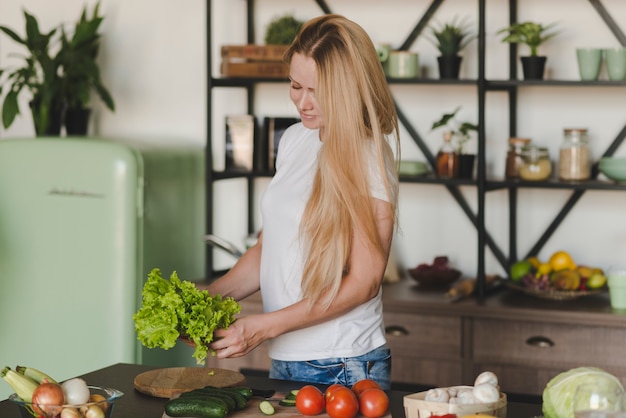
(274, 128)
(239, 142)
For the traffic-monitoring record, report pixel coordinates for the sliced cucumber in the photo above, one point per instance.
(266, 408)
(287, 402)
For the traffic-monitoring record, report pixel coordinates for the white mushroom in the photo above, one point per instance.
(466, 396)
(437, 395)
(486, 393)
(486, 377)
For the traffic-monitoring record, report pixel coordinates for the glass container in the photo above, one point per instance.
(536, 164)
(447, 158)
(574, 155)
(514, 159)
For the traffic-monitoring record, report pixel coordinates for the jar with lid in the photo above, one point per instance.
(536, 164)
(514, 158)
(447, 158)
(574, 155)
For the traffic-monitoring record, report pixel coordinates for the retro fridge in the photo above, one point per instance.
(82, 222)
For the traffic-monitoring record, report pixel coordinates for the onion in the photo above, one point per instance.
(76, 391)
(47, 397)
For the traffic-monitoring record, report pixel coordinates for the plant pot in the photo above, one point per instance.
(466, 166)
(77, 121)
(449, 66)
(533, 67)
(53, 122)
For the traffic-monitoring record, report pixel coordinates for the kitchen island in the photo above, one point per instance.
(137, 405)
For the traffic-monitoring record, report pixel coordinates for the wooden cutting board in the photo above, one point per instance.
(165, 383)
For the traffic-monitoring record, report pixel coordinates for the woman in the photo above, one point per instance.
(328, 216)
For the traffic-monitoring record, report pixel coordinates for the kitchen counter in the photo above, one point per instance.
(137, 405)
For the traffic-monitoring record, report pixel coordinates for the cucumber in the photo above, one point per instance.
(196, 407)
(287, 402)
(240, 401)
(246, 392)
(266, 408)
(199, 393)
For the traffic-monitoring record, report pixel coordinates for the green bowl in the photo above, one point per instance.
(614, 168)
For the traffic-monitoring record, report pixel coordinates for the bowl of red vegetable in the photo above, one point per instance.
(437, 275)
(49, 402)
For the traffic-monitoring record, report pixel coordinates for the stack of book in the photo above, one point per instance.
(254, 61)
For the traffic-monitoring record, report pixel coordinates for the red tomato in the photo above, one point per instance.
(363, 384)
(343, 403)
(373, 403)
(444, 416)
(310, 400)
(330, 389)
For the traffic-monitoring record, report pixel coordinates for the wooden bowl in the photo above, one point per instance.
(435, 279)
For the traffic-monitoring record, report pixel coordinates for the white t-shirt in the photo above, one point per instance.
(282, 205)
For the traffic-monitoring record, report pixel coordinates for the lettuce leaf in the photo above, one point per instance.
(176, 308)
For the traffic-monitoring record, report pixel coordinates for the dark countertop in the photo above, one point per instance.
(137, 405)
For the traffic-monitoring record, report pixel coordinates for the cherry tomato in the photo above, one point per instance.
(310, 400)
(373, 403)
(330, 389)
(363, 384)
(343, 403)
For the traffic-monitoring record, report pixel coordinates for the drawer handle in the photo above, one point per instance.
(541, 342)
(396, 331)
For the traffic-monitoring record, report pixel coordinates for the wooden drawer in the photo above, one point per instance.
(425, 349)
(532, 343)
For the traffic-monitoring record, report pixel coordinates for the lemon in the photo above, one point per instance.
(544, 268)
(561, 260)
(520, 269)
(534, 261)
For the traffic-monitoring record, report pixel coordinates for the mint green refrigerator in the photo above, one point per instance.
(82, 222)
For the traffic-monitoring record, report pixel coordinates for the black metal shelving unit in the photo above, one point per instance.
(482, 182)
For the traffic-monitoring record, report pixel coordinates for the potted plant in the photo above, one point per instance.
(533, 35)
(459, 132)
(81, 74)
(282, 30)
(450, 38)
(38, 76)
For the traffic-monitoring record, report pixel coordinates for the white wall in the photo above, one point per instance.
(153, 61)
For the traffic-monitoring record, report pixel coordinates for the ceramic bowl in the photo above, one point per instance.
(614, 168)
(435, 279)
(101, 406)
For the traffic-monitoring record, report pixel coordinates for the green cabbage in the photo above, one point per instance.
(558, 396)
(173, 309)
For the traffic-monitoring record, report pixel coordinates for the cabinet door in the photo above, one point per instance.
(526, 355)
(426, 349)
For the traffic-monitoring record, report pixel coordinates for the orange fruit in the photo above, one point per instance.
(561, 260)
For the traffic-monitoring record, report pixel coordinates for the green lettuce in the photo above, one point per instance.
(558, 396)
(176, 308)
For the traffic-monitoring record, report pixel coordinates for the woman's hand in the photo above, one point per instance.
(241, 337)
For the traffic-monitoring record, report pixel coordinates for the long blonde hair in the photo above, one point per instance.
(359, 117)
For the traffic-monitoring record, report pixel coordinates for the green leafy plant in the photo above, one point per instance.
(77, 59)
(529, 33)
(282, 30)
(38, 75)
(450, 38)
(460, 130)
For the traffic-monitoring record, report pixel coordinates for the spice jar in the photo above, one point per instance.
(536, 165)
(447, 158)
(574, 155)
(514, 158)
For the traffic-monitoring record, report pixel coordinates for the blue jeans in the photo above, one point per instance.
(375, 365)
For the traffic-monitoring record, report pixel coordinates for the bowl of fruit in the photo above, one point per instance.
(558, 278)
(439, 274)
(39, 395)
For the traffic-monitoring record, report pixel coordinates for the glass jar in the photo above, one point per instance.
(514, 158)
(536, 164)
(574, 155)
(447, 158)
